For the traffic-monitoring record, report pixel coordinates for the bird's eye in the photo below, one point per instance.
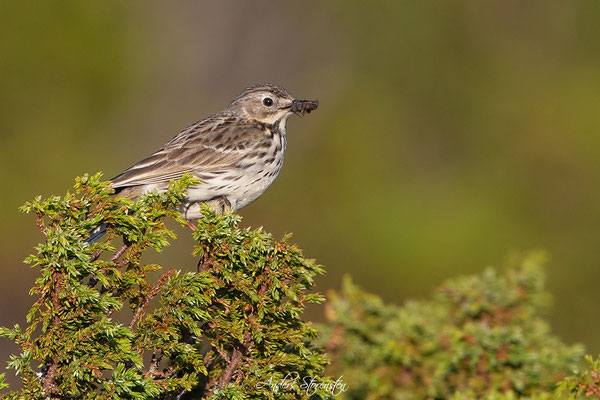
(267, 101)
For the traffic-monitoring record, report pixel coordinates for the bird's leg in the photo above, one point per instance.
(185, 208)
(224, 203)
(192, 210)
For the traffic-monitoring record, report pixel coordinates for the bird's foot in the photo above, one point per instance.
(224, 204)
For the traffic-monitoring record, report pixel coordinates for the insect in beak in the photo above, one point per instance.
(303, 106)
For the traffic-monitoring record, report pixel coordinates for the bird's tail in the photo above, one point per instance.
(97, 233)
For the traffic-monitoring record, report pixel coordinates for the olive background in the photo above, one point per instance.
(450, 135)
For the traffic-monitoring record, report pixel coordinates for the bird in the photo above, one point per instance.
(236, 154)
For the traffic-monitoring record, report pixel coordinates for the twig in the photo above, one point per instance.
(180, 395)
(191, 225)
(48, 380)
(39, 221)
(239, 351)
(236, 357)
(204, 263)
(223, 355)
(119, 253)
(96, 256)
(153, 292)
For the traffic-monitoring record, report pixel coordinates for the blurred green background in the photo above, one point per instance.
(449, 133)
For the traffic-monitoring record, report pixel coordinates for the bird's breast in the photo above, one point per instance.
(250, 177)
(261, 171)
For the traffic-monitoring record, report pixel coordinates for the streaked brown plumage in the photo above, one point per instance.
(237, 153)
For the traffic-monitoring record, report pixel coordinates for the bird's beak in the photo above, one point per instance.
(303, 106)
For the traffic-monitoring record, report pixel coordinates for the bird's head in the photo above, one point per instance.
(269, 104)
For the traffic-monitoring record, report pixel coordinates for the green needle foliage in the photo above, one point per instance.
(106, 326)
(481, 337)
(585, 383)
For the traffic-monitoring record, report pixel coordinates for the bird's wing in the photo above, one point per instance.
(210, 146)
